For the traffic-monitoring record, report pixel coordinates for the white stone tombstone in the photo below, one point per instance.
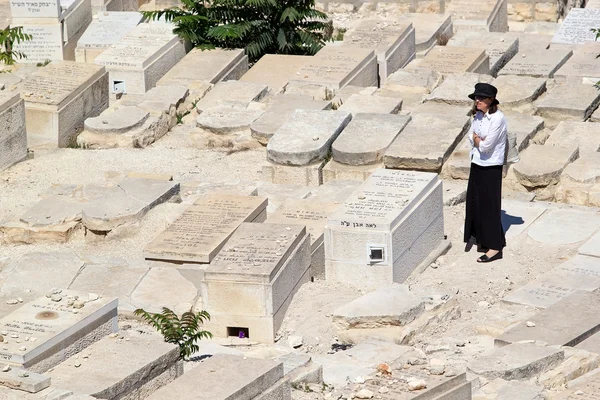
(254, 277)
(106, 29)
(35, 9)
(577, 27)
(385, 229)
(13, 136)
(58, 329)
(46, 43)
(141, 58)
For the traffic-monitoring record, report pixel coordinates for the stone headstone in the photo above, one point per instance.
(339, 66)
(264, 265)
(370, 239)
(429, 30)
(393, 42)
(13, 135)
(306, 136)
(536, 63)
(453, 60)
(106, 29)
(209, 66)
(479, 16)
(275, 70)
(46, 42)
(27, 9)
(199, 233)
(60, 89)
(577, 27)
(141, 57)
(367, 137)
(57, 326)
(499, 47)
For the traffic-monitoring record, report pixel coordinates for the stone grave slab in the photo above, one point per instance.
(313, 215)
(454, 60)
(24, 9)
(336, 191)
(577, 27)
(368, 104)
(445, 131)
(569, 102)
(275, 70)
(499, 47)
(499, 389)
(456, 88)
(531, 42)
(132, 366)
(393, 42)
(367, 137)
(264, 265)
(209, 66)
(582, 67)
(519, 90)
(247, 378)
(517, 216)
(550, 228)
(541, 166)
(585, 170)
(429, 28)
(20, 379)
(489, 16)
(524, 127)
(582, 134)
(279, 194)
(591, 344)
(334, 170)
(372, 238)
(538, 63)
(558, 324)
(591, 247)
(46, 41)
(592, 4)
(306, 136)
(517, 361)
(60, 97)
(167, 287)
(13, 136)
(223, 119)
(106, 29)
(232, 94)
(199, 233)
(282, 106)
(58, 328)
(339, 66)
(418, 80)
(579, 273)
(141, 57)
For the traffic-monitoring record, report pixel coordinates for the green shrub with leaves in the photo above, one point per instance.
(8, 38)
(184, 331)
(258, 26)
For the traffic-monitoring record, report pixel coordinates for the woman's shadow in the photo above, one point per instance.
(510, 220)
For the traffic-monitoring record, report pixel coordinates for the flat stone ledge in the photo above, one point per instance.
(222, 119)
(541, 166)
(121, 120)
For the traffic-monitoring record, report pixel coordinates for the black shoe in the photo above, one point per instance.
(485, 259)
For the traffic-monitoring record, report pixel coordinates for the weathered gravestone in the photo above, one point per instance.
(252, 280)
(106, 29)
(430, 30)
(13, 135)
(499, 47)
(587, 387)
(582, 67)
(489, 16)
(393, 42)
(385, 229)
(60, 97)
(275, 70)
(200, 232)
(454, 60)
(141, 57)
(577, 27)
(55, 327)
(568, 101)
(536, 63)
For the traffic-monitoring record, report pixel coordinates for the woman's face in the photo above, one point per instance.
(483, 103)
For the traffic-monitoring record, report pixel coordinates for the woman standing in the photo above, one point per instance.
(488, 137)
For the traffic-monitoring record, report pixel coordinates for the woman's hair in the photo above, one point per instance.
(493, 109)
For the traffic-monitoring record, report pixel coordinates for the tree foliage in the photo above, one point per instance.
(184, 331)
(258, 26)
(8, 38)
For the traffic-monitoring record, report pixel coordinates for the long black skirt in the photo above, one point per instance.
(483, 219)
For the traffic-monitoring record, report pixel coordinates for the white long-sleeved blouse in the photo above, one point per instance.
(492, 129)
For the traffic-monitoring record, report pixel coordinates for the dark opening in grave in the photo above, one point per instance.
(238, 332)
(376, 254)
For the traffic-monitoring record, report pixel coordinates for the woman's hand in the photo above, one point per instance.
(476, 140)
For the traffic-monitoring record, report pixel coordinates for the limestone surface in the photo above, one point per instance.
(542, 165)
(121, 120)
(551, 226)
(417, 80)
(232, 93)
(539, 63)
(583, 134)
(518, 90)
(371, 104)
(569, 101)
(224, 119)
(456, 88)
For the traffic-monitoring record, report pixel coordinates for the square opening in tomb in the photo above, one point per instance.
(376, 254)
(242, 333)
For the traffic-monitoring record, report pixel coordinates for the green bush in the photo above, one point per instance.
(8, 37)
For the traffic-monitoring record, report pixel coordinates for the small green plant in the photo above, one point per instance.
(43, 64)
(184, 331)
(8, 38)
(339, 35)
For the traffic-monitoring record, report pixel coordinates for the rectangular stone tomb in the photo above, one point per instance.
(252, 280)
(438, 387)
(454, 60)
(209, 66)
(577, 27)
(52, 329)
(275, 70)
(46, 42)
(536, 63)
(558, 324)
(13, 136)
(60, 97)
(104, 31)
(200, 232)
(385, 229)
(338, 66)
(429, 29)
(500, 47)
(29, 9)
(582, 67)
(314, 215)
(141, 57)
(393, 42)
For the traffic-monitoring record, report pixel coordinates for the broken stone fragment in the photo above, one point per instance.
(12, 301)
(295, 341)
(56, 297)
(22, 348)
(364, 394)
(78, 304)
(6, 368)
(417, 384)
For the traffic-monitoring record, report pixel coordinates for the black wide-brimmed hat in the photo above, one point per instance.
(485, 90)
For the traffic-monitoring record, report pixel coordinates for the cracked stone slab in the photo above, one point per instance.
(369, 104)
(551, 227)
(569, 101)
(223, 119)
(306, 136)
(583, 134)
(367, 137)
(23, 380)
(232, 93)
(418, 80)
(121, 120)
(519, 90)
(456, 88)
(541, 166)
(500, 47)
(539, 63)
